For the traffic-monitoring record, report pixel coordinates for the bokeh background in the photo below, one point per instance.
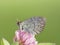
(11, 10)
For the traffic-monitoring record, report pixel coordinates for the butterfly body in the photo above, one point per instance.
(33, 25)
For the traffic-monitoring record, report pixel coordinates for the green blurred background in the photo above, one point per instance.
(11, 10)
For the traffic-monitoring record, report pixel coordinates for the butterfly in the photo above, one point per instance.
(32, 25)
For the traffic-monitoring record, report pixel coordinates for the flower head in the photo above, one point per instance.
(25, 38)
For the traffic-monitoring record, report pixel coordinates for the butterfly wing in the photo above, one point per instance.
(33, 25)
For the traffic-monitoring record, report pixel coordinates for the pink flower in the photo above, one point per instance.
(25, 38)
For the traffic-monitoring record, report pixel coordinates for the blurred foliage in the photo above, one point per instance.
(11, 10)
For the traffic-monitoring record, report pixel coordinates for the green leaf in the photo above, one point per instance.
(46, 44)
(15, 43)
(4, 42)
